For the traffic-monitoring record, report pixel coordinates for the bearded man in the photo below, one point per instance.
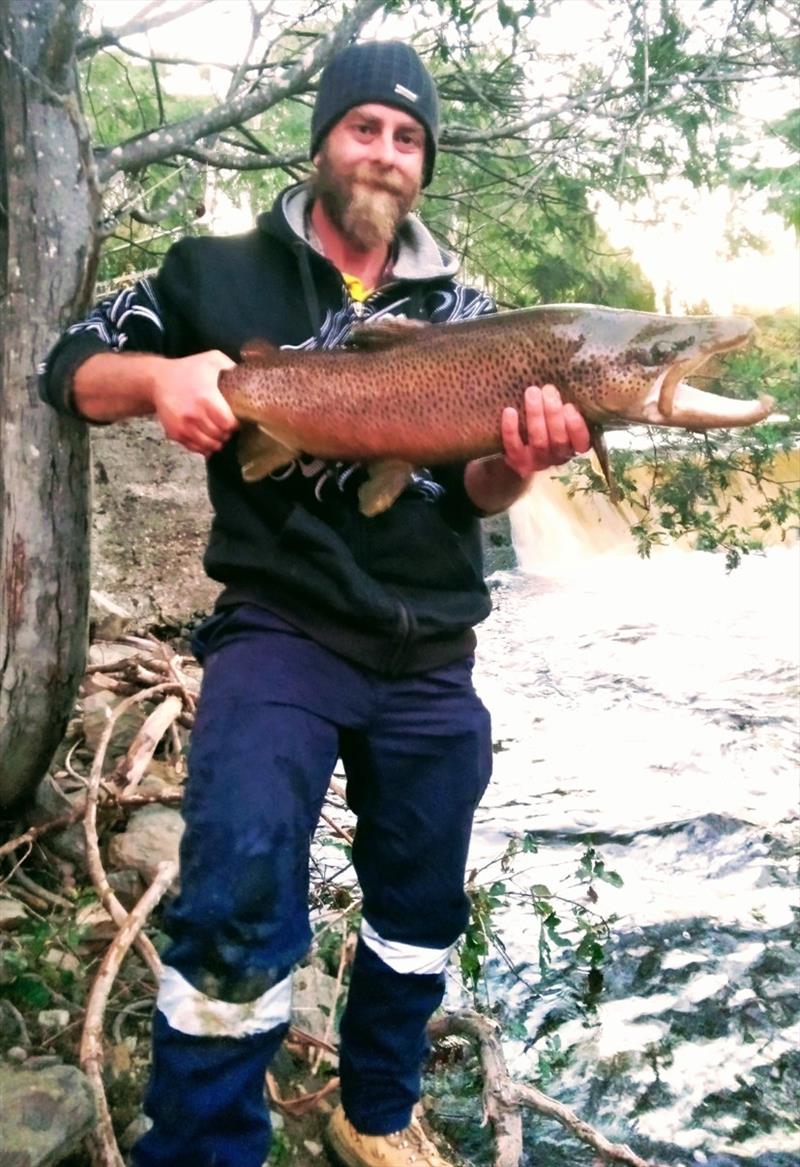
(334, 635)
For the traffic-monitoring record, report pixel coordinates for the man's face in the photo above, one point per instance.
(369, 173)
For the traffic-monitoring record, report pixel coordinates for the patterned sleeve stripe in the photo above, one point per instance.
(461, 303)
(108, 318)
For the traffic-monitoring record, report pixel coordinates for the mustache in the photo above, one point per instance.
(391, 181)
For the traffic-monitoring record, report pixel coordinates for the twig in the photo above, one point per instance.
(304, 1102)
(326, 1037)
(94, 862)
(503, 1098)
(130, 769)
(103, 1145)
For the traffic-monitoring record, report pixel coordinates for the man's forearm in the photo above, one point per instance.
(114, 386)
(492, 485)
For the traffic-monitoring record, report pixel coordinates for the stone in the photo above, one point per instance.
(498, 547)
(313, 1000)
(63, 961)
(12, 914)
(97, 710)
(134, 1131)
(53, 1019)
(127, 886)
(94, 924)
(45, 1114)
(153, 834)
(108, 620)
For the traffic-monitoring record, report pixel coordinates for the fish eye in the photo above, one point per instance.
(661, 352)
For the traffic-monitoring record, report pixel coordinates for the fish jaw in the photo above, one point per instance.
(696, 409)
(671, 401)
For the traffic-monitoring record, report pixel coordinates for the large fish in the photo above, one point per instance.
(403, 394)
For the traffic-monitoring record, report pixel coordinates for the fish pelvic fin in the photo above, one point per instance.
(388, 478)
(601, 452)
(260, 453)
(387, 332)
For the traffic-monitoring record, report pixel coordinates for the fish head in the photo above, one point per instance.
(634, 366)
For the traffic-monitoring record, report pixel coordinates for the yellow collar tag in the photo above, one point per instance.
(355, 288)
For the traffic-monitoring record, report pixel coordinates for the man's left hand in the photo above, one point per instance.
(552, 433)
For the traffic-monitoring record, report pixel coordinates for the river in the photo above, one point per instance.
(651, 707)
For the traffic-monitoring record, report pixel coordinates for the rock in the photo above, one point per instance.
(44, 1116)
(108, 620)
(12, 914)
(64, 961)
(127, 887)
(94, 924)
(153, 834)
(97, 710)
(53, 1019)
(133, 1132)
(498, 549)
(51, 802)
(16, 1054)
(313, 1000)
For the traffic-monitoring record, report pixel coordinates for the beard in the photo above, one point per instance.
(367, 204)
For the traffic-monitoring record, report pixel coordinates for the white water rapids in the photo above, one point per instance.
(652, 706)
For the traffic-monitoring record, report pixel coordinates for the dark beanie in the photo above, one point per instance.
(388, 72)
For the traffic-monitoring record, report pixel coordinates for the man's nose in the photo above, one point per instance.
(383, 148)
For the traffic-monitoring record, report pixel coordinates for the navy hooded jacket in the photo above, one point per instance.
(398, 593)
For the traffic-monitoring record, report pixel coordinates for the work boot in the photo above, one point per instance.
(409, 1147)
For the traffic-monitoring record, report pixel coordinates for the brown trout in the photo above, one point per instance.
(402, 393)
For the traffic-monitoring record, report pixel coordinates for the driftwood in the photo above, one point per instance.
(503, 1098)
(102, 1142)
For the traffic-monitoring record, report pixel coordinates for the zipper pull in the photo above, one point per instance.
(359, 309)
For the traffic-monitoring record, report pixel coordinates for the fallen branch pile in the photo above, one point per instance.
(147, 673)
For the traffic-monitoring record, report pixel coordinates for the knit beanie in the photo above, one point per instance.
(387, 72)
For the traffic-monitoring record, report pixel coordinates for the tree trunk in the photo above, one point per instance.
(48, 247)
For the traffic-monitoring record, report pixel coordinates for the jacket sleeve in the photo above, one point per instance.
(130, 320)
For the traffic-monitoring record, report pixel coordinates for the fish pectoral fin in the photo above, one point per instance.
(260, 453)
(601, 452)
(384, 333)
(387, 480)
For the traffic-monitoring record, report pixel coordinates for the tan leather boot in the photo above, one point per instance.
(409, 1147)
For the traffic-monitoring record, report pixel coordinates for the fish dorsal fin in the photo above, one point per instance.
(387, 332)
(260, 350)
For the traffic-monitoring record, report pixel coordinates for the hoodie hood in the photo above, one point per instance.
(417, 254)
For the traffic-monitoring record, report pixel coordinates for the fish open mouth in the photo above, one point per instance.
(673, 402)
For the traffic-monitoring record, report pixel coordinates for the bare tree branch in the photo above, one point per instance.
(136, 25)
(154, 147)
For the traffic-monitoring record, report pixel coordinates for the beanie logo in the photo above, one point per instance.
(403, 92)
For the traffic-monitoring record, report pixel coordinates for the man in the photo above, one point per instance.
(334, 635)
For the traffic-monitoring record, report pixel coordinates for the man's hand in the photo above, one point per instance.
(182, 392)
(189, 405)
(554, 433)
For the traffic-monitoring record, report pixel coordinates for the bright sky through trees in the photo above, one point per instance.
(686, 241)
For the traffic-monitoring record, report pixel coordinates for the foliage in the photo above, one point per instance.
(572, 932)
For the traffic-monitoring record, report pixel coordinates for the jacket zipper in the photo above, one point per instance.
(403, 640)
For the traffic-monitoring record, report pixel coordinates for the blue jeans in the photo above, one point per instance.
(276, 710)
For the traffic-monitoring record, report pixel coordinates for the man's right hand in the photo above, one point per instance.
(182, 392)
(189, 405)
